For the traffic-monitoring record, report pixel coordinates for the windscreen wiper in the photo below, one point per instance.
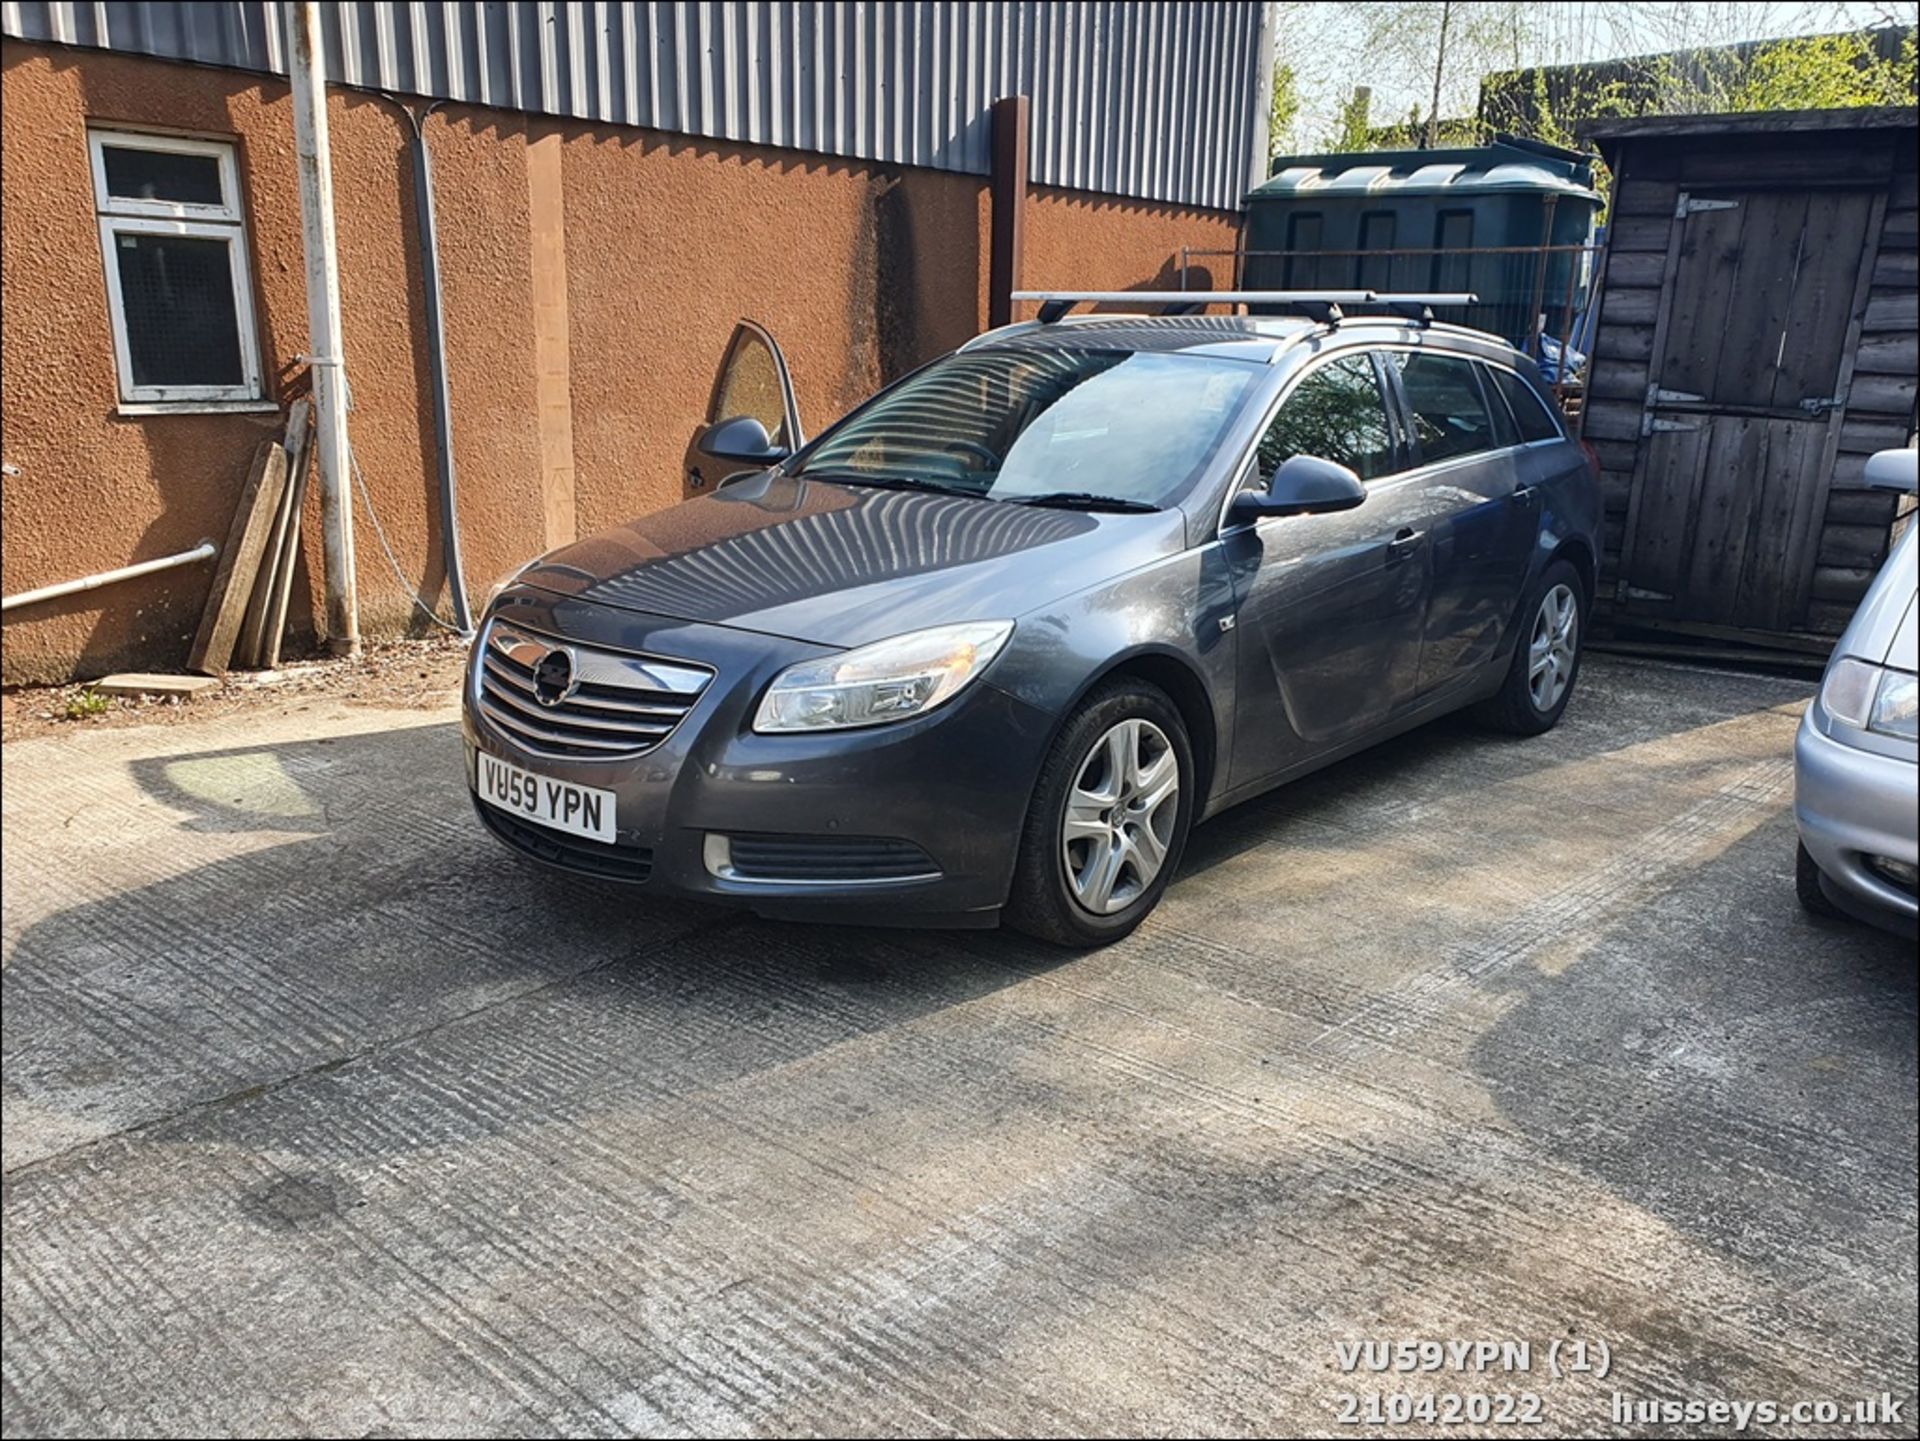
(887, 482)
(1083, 500)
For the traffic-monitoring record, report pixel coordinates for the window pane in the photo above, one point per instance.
(1504, 431)
(1449, 414)
(177, 294)
(1009, 423)
(751, 387)
(1536, 421)
(1337, 414)
(161, 175)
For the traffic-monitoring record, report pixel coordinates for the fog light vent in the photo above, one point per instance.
(1903, 874)
(817, 860)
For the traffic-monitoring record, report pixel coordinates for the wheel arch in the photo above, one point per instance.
(1577, 551)
(1167, 670)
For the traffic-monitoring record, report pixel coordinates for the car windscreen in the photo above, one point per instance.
(1129, 426)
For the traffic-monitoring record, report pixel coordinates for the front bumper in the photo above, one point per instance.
(1851, 806)
(953, 784)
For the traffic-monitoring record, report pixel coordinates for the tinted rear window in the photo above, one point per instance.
(1529, 410)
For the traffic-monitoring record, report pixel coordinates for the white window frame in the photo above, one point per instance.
(118, 216)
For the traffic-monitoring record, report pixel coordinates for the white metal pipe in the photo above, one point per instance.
(203, 551)
(313, 157)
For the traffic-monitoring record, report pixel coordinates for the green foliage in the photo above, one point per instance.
(1824, 72)
(1350, 130)
(1284, 113)
(87, 704)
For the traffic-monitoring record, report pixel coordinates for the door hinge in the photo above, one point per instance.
(1657, 396)
(1690, 206)
(1819, 404)
(1650, 424)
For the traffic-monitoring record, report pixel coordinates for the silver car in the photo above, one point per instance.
(1856, 759)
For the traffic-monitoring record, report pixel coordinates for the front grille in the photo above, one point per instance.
(573, 702)
(827, 858)
(594, 858)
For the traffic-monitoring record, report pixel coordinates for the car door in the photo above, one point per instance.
(752, 381)
(1329, 607)
(1480, 522)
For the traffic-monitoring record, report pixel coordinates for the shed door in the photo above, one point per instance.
(1745, 377)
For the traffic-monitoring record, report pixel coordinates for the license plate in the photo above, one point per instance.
(559, 805)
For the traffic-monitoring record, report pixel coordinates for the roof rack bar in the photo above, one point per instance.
(1321, 305)
(1056, 303)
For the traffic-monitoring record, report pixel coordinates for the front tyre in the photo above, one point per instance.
(1546, 660)
(1806, 885)
(1108, 821)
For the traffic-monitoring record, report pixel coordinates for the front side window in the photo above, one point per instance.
(1450, 414)
(1337, 413)
(1133, 427)
(174, 244)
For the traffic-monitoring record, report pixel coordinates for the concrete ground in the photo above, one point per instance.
(324, 1113)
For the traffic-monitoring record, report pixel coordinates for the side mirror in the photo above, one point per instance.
(1893, 470)
(742, 439)
(1303, 485)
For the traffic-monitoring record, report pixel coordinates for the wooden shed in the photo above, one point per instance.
(1756, 342)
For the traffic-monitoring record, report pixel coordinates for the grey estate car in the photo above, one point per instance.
(989, 646)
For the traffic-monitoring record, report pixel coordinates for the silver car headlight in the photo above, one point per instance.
(1894, 705)
(1870, 697)
(890, 680)
(493, 591)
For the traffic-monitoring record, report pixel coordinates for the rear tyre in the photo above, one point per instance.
(1108, 820)
(1546, 659)
(1806, 885)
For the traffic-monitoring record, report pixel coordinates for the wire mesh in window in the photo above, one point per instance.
(177, 295)
(165, 175)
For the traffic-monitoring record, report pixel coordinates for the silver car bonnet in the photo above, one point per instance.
(1883, 630)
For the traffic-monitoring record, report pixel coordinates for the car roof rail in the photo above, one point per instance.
(1322, 306)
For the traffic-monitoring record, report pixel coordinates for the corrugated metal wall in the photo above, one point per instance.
(1154, 100)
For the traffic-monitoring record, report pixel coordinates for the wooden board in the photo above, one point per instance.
(1636, 270)
(251, 645)
(239, 562)
(275, 634)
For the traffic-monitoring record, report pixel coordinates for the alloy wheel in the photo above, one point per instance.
(1550, 654)
(1120, 816)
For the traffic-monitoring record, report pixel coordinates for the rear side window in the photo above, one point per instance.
(1505, 433)
(1450, 414)
(1529, 411)
(1336, 413)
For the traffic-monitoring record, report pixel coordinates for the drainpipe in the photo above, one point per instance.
(308, 66)
(437, 356)
(1262, 137)
(203, 551)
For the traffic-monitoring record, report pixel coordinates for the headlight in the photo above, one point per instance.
(493, 591)
(1894, 705)
(1870, 697)
(889, 680)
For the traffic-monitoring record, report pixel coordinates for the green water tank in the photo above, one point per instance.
(1465, 219)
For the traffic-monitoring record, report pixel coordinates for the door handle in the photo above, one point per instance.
(1404, 543)
(1526, 495)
